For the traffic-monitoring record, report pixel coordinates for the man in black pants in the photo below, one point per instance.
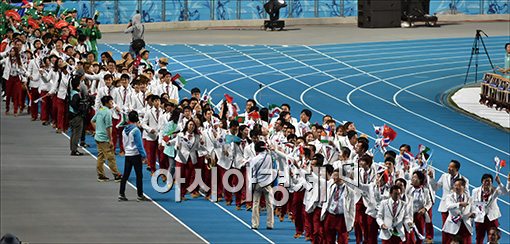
(135, 155)
(76, 115)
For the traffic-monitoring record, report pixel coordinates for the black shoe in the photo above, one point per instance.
(103, 179)
(118, 178)
(45, 123)
(269, 228)
(83, 144)
(122, 198)
(142, 199)
(254, 228)
(76, 153)
(148, 168)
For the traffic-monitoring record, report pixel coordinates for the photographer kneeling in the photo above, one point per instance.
(78, 108)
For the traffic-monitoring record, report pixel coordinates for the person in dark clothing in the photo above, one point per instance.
(135, 155)
(76, 115)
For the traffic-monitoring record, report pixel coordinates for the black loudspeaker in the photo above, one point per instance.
(379, 13)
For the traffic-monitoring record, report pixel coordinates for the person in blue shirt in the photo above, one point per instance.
(135, 156)
(506, 69)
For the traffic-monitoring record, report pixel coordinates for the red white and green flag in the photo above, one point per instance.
(179, 80)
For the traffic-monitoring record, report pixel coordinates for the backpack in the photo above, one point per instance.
(137, 45)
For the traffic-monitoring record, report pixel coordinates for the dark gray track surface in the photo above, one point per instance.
(48, 196)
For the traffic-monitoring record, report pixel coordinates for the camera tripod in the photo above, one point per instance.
(475, 50)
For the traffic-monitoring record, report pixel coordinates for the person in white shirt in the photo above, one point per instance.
(313, 182)
(138, 100)
(167, 87)
(35, 80)
(44, 88)
(60, 86)
(362, 225)
(303, 125)
(352, 139)
(263, 174)
(13, 72)
(230, 156)
(393, 217)
(106, 90)
(338, 210)
(485, 199)
(460, 213)
(187, 144)
(150, 125)
(420, 201)
(169, 119)
(446, 183)
(121, 99)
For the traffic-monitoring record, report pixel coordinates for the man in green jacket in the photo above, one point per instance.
(93, 33)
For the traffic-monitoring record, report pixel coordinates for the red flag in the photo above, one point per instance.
(388, 132)
(72, 29)
(48, 20)
(33, 23)
(166, 138)
(176, 76)
(229, 98)
(502, 163)
(13, 14)
(61, 24)
(254, 115)
(301, 150)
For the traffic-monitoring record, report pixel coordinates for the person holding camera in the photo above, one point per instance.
(136, 28)
(77, 110)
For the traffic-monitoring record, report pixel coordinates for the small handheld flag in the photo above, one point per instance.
(240, 119)
(423, 149)
(378, 130)
(499, 163)
(389, 133)
(407, 158)
(254, 115)
(229, 98)
(179, 80)
(231, 138)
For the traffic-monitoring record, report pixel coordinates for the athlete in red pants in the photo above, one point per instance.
(34, 107)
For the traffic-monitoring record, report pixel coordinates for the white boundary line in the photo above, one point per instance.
(298, 102)
(269, 86)
(337, 99)
(155, 203)
(460, 48)
(385, 81)
(221, 207)
(373, 95)
(349, 50)
(436, 42)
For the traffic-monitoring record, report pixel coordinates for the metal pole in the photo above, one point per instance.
(92, 8)
(163, 10)
(342, 8)
(316, 8)
(238, 9)
(116, 12)
(289, 8)
(186, 10)
(212, 9)
(481, 6)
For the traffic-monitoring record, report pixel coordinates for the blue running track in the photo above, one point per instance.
(399, 83)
